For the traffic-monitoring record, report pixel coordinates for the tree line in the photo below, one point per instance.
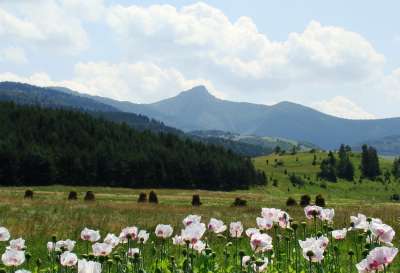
(41, 146)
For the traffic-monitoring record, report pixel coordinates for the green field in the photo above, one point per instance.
(49, 213)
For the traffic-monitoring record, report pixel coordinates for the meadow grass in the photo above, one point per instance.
(50, 213)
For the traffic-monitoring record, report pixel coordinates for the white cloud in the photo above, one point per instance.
(42, 25)
(137, 82)
(42, 79)
(342, 107)
(15, 55)
(391, 85)
(200, 40)
(90, 10)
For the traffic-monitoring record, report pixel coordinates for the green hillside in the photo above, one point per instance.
(339, 192)
(41, 146)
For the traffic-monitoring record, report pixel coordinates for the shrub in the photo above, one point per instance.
(73, 195)
(89, 196)
(28, 194)
(142, 197)
(320, 200)
(153, 197)
(279, 163)
(395, 197)
(196, 200)
(323, 185)
(290, 202)
(297, 180)
(305, 200)
(239, 202)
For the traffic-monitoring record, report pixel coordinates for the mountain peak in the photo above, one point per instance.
(199, 91)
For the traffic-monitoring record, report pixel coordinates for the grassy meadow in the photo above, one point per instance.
(49, 213)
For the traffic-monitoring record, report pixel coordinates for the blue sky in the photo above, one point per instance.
(340, 57)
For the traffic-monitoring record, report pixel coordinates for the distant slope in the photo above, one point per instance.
(241, 148)
(389, 145)
(26, 94)
(42, 146)
(21, 93)
(197, 109)
(268, 143)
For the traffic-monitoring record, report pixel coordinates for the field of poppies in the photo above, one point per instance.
(49, 235)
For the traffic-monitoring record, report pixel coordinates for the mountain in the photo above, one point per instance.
(42, 146)
(197, 109)
(46, 97)
(60, 97)
(389, 145)
(49, 97)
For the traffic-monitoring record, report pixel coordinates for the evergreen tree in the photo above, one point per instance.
(370, 162)
(345, 168)
(328, 168)
(396, 168)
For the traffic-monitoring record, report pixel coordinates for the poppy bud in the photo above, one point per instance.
(310, 254)
(54, 238)
(28, 255)
(351, 252)
(295, 225)
(241, 253)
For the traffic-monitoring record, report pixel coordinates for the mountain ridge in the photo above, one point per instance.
(197, 109)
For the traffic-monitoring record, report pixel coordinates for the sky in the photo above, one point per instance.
(339, 57)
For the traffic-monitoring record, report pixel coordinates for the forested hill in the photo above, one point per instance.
(27, 94)
(57, 146)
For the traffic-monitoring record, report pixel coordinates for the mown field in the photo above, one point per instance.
(49, 213)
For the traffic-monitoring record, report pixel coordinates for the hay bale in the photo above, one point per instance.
(239, 202)
(73, 195)
(153, 198)
(28, 194)
(142, 197)
(89, 196)
(290, 202)
(196, 200)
